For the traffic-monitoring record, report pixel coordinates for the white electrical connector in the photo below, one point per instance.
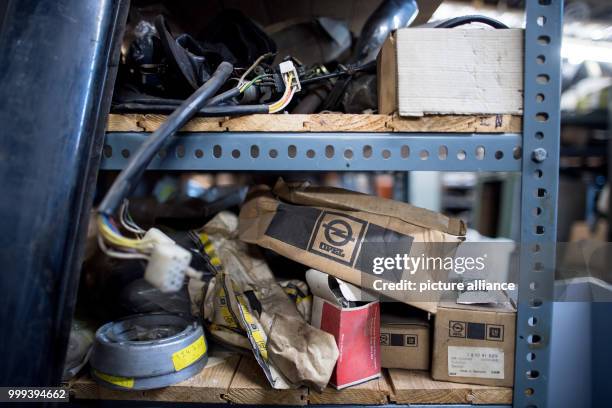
(155, 235)
(287, 67)
(168, 264)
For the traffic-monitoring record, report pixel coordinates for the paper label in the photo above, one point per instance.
(124, 382)
(189, 355)
(478, 362)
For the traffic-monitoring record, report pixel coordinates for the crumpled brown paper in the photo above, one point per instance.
(245, 307)
(295, 348)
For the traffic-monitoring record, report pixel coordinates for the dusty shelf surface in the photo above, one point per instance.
(239, 380)
(331, 122)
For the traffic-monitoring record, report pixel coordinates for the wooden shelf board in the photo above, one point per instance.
(325, 123)
(417, 387)
(210, 385)
(250, 386)
(374, 392)
(239, 380)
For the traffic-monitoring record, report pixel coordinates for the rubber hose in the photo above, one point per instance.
(222, 97)
(130, 175)
(150, 103)
(229, 110)
(312, 101)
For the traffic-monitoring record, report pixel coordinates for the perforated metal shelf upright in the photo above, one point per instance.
(535, 153)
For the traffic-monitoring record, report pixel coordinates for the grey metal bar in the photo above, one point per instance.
(540, 176)
(323, 151)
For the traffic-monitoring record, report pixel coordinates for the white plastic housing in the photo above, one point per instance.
(167, 267)
(286, 67)
(157, 236)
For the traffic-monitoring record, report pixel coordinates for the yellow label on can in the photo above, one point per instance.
(189, 355)
(124, 382)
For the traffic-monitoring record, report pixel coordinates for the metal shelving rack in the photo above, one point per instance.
(535, 154)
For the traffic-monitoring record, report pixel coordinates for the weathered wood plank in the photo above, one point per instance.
(346, 123)
(458, 123)
(210, 385)
(374, 392)
(325, 123)
(125, 123)
(250, 386)
(240, 380)
(417, 387)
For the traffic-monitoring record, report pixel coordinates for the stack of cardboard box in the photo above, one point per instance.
(340, 233)
(464, 343)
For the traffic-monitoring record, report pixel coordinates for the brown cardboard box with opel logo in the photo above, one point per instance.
(342, 232)
(404, 342)
(474, 343)
(337, 237)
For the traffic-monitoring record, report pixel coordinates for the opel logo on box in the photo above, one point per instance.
(338, 232)
(457, 329)
(338, 237)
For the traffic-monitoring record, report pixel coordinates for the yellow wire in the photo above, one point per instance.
(280, 103)
(116, 239)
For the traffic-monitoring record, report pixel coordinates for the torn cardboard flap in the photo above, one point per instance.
(319, 285)
(356, 329)
(354, 294)
(333, 197)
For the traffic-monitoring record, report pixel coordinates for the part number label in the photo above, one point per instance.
(189, 355)
(479, 362)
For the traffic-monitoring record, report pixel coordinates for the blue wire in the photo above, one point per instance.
(110, 224)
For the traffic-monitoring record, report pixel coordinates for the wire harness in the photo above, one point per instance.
(169, 263)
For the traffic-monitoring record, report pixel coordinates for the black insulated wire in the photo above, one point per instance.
(130, 175)
(463, 20)
(368, 66)
(224, 96)
(207, 111)
(233, 110)
(150, 103)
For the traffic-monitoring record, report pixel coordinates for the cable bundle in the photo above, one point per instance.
(149, 244)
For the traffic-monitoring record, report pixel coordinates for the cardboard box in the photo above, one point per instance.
(355, 327)
(404, 342)
(474, 344)
(451, 71)
(342, 232)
